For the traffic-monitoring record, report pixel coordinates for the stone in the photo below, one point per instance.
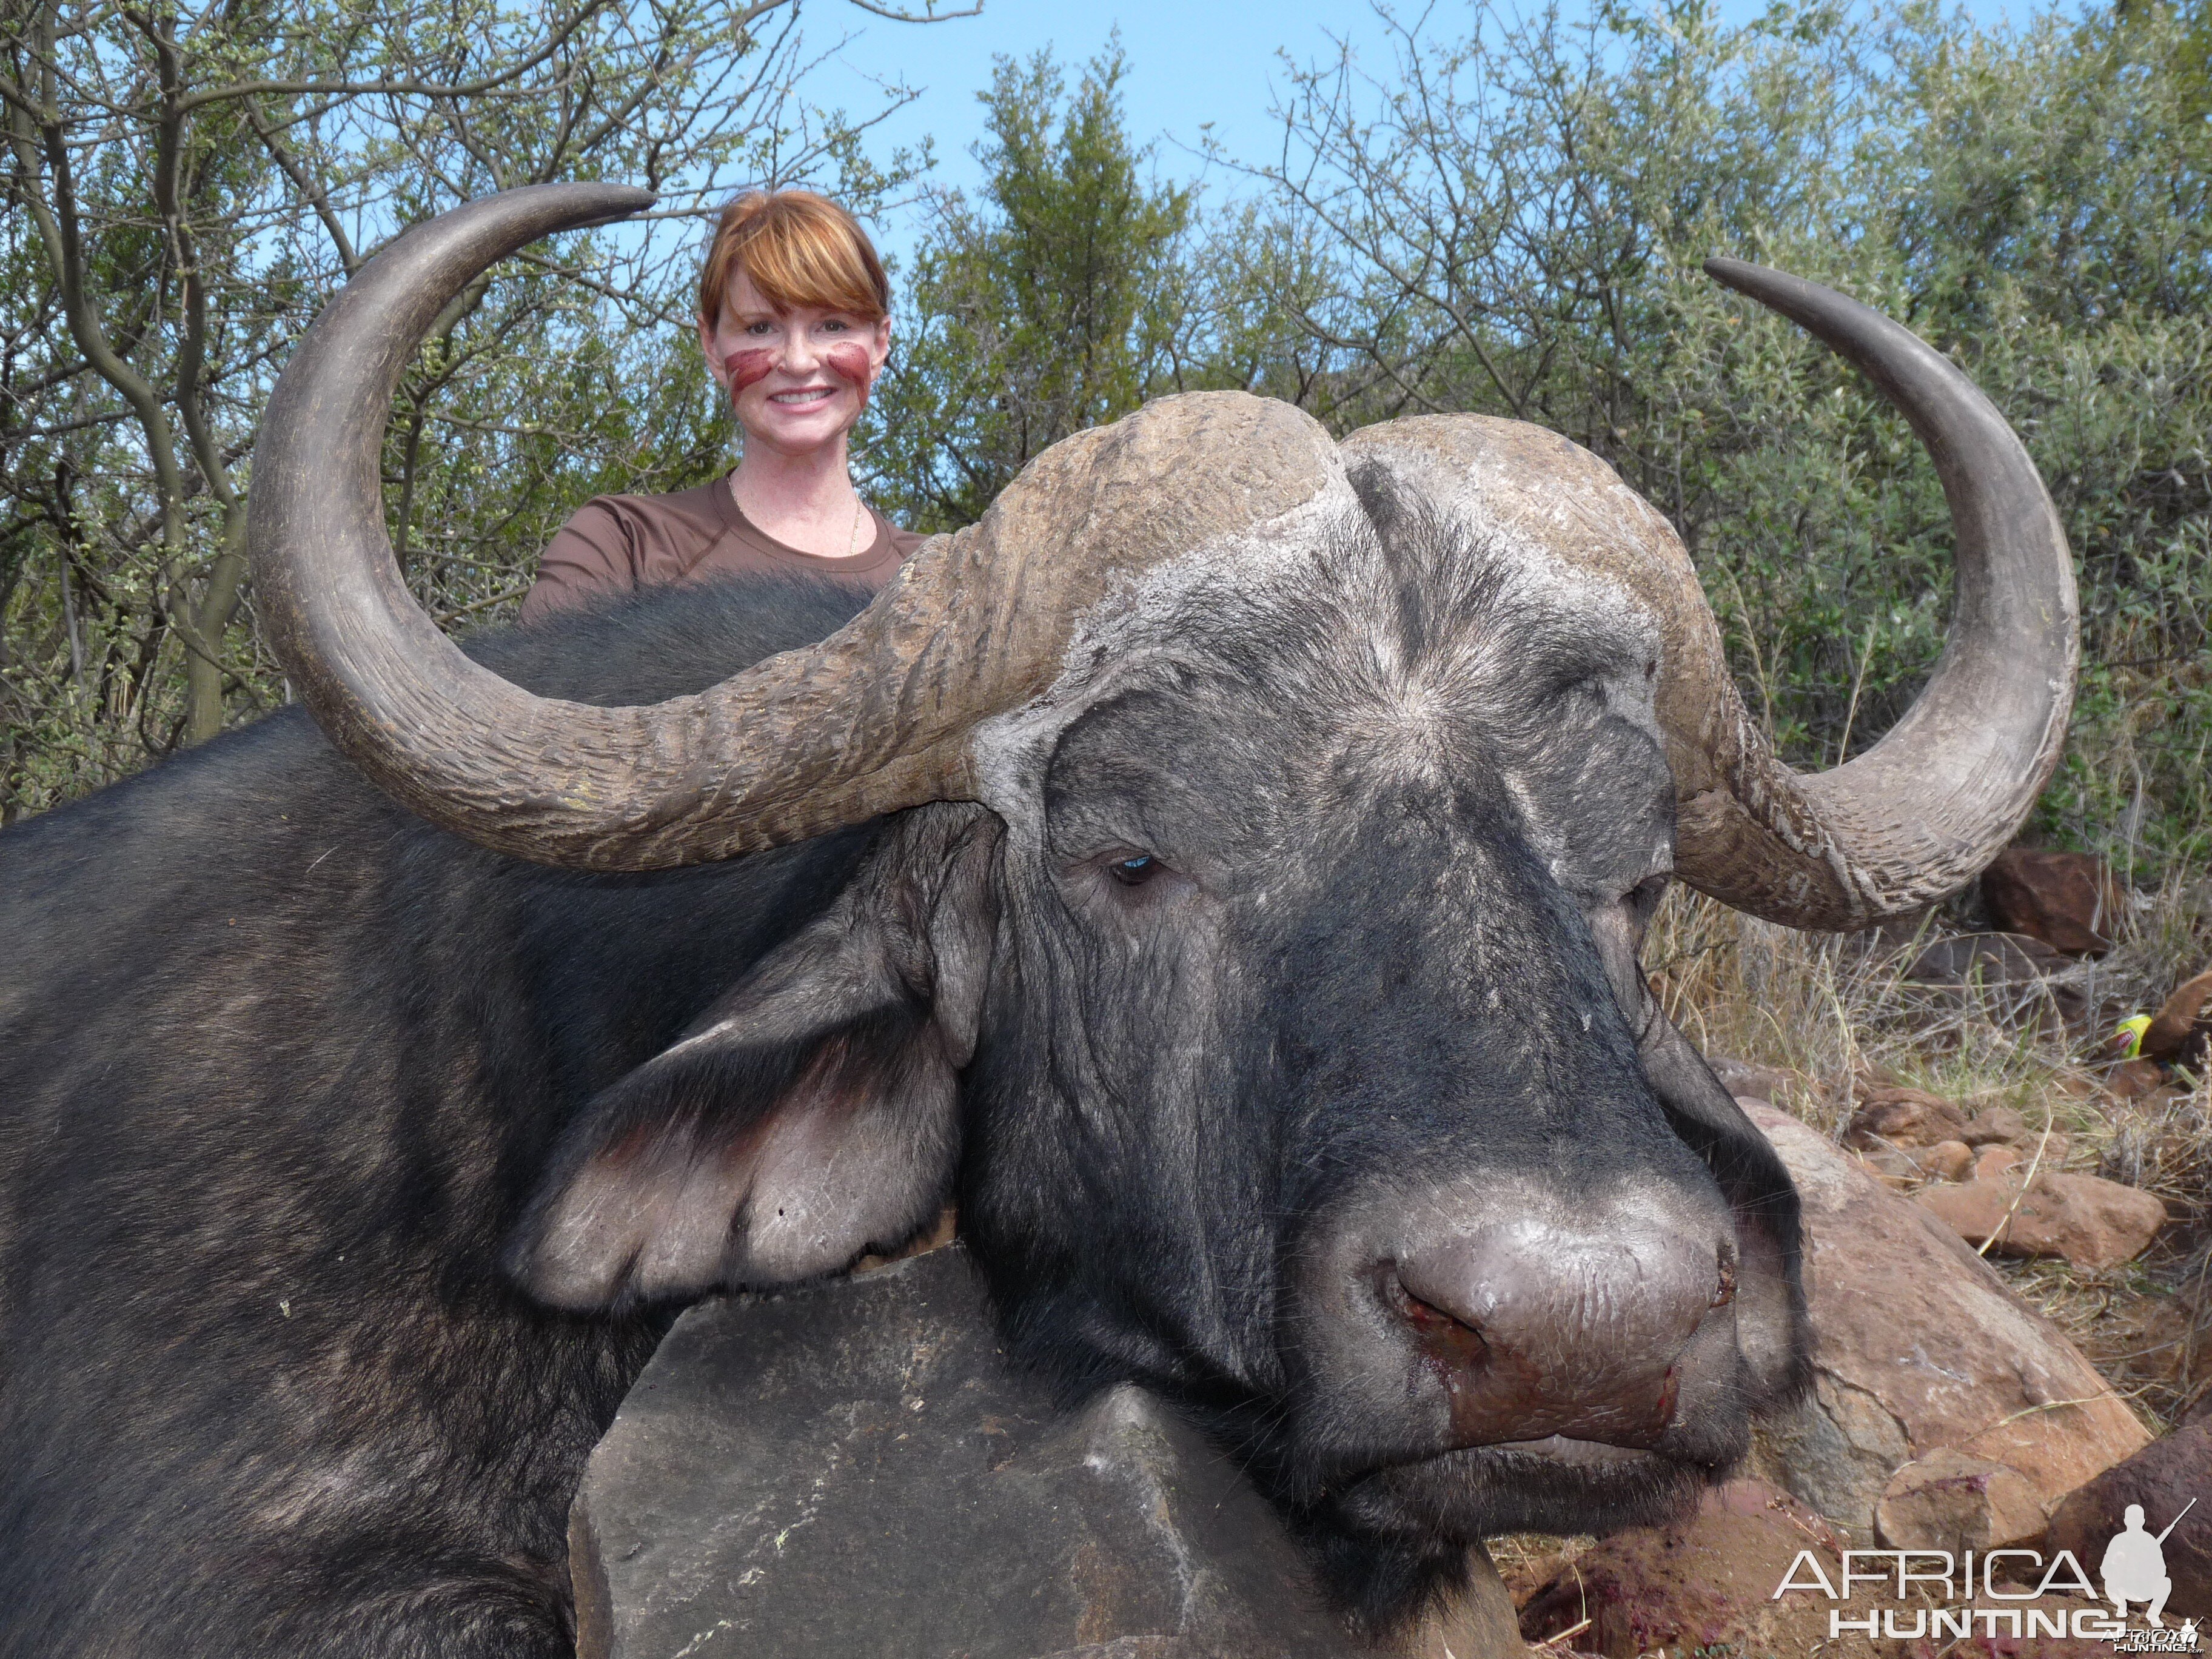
(1950, 1501)
(1893, 1166)
(1993, 1124)
(2091, 1222)
(1903, 1117)
(1705, 1585)
(1901, 1167)
(2131, 1079)
(1997, 1157)
(2178, 1030)
(2162, 1477)
(2068, 900)
(854, 1468)
(1741, 1077)
(2013, 976)
(1919, 1344)
(1948, 1160)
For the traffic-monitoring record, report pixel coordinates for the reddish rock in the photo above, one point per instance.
(1919, 1345)
(1705, 1585)
(1903, 1117)
(1901, 1167)
(1949, 1501)
(1996, 1160)
(1948, 1160)
(1993, 1124)
(2068, 900)
(1709, 1587)
(2162, 1477)
(2001, 1156)
(2178, 1032)
(1891, 1166)
(2132, 1078)
(2091, 1222)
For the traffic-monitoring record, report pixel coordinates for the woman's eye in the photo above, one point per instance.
(1136, 870)
(758, 330)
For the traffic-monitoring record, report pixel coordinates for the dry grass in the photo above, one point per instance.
(1832, 1013)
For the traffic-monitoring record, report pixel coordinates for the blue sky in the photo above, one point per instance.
(1191, 62)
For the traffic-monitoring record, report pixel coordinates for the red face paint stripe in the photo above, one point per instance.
(850, 364)
(750, 367)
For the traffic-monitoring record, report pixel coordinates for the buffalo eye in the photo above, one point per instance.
(1135, 870)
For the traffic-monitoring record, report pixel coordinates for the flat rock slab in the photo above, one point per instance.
(855, 1469)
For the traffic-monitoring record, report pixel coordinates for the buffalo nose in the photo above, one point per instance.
(1536, 1332)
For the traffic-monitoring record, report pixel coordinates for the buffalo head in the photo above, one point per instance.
(1250, 942)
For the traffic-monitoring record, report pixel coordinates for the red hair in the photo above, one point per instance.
(799, 249)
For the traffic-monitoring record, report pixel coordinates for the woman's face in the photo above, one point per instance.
(797, 379)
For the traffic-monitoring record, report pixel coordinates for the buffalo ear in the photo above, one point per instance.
(809, 1114)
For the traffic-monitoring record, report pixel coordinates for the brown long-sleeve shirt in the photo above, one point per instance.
(619, 544)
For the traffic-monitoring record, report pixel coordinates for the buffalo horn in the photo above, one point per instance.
(1919, 815)
(873, 719)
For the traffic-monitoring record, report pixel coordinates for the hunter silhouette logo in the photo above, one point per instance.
(2134, 1567)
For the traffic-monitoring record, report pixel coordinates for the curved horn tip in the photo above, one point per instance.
(1920, 813)
(621, 200)
(1757, 281)
(567, 204)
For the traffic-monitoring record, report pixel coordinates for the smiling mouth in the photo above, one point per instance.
(803, 397)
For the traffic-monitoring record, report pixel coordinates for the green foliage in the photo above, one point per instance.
(1059, 302)
(185, 187)
(1513, 222)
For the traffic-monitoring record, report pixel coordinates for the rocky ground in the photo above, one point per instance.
(1999, 1118)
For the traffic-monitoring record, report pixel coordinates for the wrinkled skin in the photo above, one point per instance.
(1291, 951)
(1299, 938)
(1390, 880)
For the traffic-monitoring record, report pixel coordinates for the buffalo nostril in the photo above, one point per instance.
(1443, 1337)
(1533, 1331)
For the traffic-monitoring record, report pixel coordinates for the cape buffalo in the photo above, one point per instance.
(1222, 869)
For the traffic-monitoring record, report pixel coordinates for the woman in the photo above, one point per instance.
(794, 316)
